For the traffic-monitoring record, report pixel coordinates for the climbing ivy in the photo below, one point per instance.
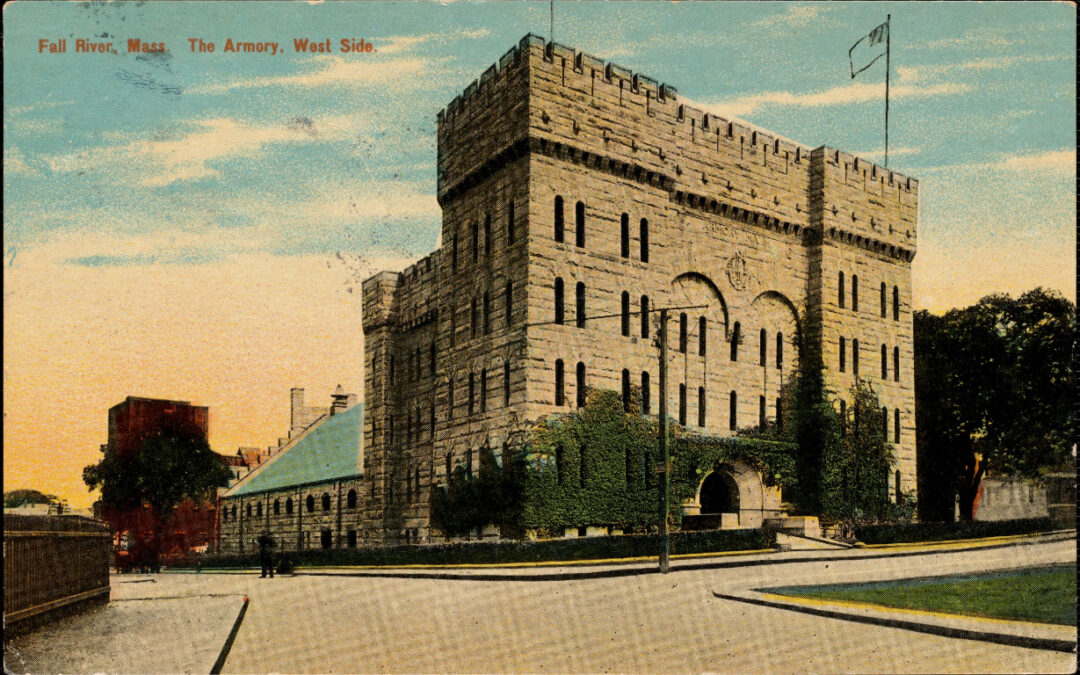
(596, 467)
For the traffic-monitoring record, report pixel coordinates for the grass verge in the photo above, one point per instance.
(1041, 594)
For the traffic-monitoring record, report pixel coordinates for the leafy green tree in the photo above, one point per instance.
(171, 465)
(13, 498)
(491, 496)
(856, 463)
(992, 393)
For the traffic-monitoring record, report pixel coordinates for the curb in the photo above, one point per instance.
(637, 571)
(1029, 642)
(227, 647)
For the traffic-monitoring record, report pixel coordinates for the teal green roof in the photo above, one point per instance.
(329, 451)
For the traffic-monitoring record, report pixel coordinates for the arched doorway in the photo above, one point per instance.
(719, 494)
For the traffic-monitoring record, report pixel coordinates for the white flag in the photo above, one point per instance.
(869, 49)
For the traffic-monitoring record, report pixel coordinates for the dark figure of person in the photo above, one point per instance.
(266, 556)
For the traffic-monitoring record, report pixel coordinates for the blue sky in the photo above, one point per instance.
(244, 196)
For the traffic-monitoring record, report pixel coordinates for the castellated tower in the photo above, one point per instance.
(574, 188)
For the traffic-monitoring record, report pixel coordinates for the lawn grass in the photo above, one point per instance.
(1043, 594)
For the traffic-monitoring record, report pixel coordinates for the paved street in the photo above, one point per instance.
(646, 623)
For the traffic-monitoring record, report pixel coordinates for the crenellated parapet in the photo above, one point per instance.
(549, 98)
(865, 205)
(380, 300)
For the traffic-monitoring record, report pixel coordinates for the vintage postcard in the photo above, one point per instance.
(539, 336)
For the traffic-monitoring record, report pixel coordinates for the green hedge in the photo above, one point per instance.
(913, 532)
(584, 548)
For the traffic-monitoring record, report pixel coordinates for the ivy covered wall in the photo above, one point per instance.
(597, 467)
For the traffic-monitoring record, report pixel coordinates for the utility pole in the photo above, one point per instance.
(665, 545)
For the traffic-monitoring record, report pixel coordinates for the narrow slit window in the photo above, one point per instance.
(645, 393)
(559, 307)
(840, 291)
(763, 347)
(579, 218)
(735, 342)
(779, 350)
(854, 292)
(624, 236)
(732, 410)
(625, 313)
(580, 385)
(626, 390)
(702, 336)
(701, 406)
(645, 316)
(487, 313)
(682, 332)
(761, 411)
(506, 383)
(896, 303)
(855, 357)
(896, 364)
(559, 225)
(579, 295)
(560, 382)
(843, 354)
(682, 404)
(644, 240)
(510, 222)
(509, 303)
(450, 398)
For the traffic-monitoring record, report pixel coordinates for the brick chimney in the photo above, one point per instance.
(340, 401)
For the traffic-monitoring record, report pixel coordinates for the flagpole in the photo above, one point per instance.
(551, 27)
(888, 38)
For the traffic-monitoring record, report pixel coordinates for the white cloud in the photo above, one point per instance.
(1055, 161)
(879, 153)
(912, 74)
(796, 16)
(401, 43)
(355, 71)
(332, 71)
(187, 156)
(15, 162)
(855, 92)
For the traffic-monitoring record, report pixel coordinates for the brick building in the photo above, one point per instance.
(574, 189)
(193, 525)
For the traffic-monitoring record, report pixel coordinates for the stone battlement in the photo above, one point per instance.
(638, 89)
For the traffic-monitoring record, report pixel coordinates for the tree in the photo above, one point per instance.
(992, 393)
(170, 465)
(13, 498)
(856, 463)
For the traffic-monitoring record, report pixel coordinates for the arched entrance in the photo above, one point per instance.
(719, 494)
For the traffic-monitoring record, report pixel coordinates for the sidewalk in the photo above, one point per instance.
(141, 630)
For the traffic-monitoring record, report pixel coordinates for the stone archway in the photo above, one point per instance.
(731, 495)
(719, 494)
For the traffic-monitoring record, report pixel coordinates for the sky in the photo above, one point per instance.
(195, 226)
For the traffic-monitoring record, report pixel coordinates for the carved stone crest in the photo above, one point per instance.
(737, 273)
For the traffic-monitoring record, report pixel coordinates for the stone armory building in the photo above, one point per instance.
(577, 198)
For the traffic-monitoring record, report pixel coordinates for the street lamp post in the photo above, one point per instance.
(665, 545)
